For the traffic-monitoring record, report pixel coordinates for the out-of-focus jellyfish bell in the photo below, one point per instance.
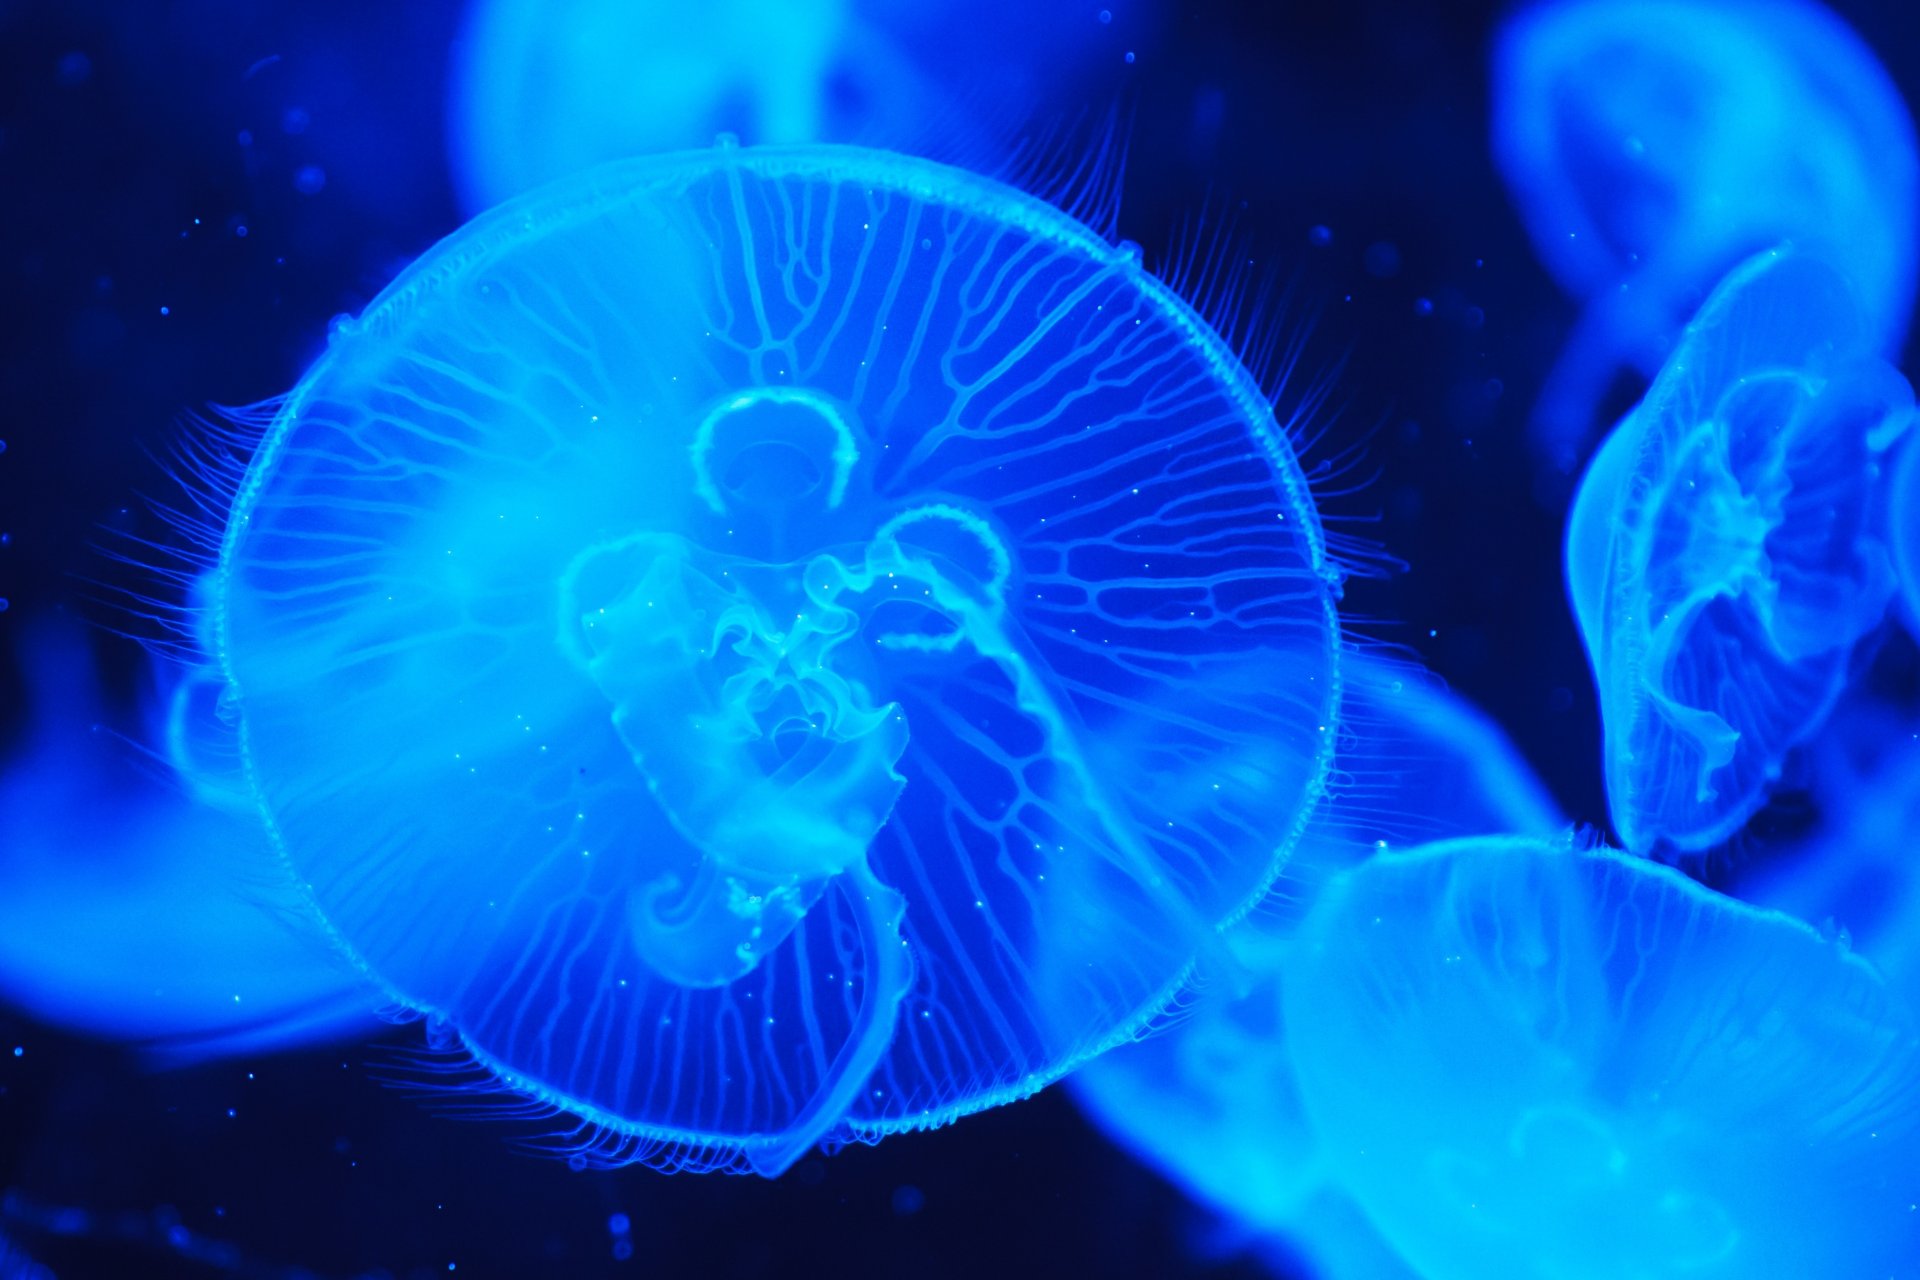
(145, 904)
(1529, 1060)
(1903, 527)
(779, 644)
(1652, 144)
(1210, 1100)
(544, 89)
(1853, 872)
(1722, 556)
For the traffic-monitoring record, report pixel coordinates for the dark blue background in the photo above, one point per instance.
(152, 156)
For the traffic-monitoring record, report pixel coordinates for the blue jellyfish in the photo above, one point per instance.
(16, 1265)
(1902, 508)
(1852, 872)
(542, 90)
(767, 646)
(1650, 145)
(144, 903)
(1210, 1100)
(1525, 1059)
(1721, 556)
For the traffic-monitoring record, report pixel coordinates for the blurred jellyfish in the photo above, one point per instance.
(145, 903)
(1903, 528)
(773, 645)
(1722, 556)
(16, 1265)
(1210, 1100)
(543, 90)
(1528, 1060)
(1853, 873)
(1652, 144)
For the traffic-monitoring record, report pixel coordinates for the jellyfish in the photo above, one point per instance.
(1902, 508)
(1722, 555)
(1650, 146)
(777, 646)
(15, 1264)
(139, 898)
(1851, 872)
(539, 92)
(1528, 1059)
(1209, 1099)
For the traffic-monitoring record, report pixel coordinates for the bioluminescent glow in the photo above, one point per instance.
(1853, 873)
(1650, 145)
(1903, 527)
(1527, 1059)
(544, 90)
(1210, 1100)
(1721, 554)
(773, 645)
(144, 903)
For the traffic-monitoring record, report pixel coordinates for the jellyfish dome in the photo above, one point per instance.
(1209, 1098)
(772, 645)
(1529, 1060)
(139, 898)
(545, 88)
(1721, 554)
(1852, 869)
(1650, 145)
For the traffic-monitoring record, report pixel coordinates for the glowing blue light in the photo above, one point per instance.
(1210, 1100)
(1650, 145)
(1721, 553)
(546, 88)
(1525, 1059)
(144, 903)
(773, 645)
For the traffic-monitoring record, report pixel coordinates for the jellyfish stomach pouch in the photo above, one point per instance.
(775, 767)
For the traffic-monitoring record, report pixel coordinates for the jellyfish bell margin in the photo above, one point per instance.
(1209, 1100)
(1650, 146)
(1501, 1044)
(945, 647)
(1724, 554)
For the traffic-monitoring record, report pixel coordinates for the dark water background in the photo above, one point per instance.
(164, 243)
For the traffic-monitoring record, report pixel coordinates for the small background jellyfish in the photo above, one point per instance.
(1209, 1099)
(771, 645)
(1723, 558)
(139, 898)
(1526, 1059)
(1650, 145)
(541, 91)
(1852, 872)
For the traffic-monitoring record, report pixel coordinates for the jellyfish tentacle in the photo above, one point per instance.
(879, 909)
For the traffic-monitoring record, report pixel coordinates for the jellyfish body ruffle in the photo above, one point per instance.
(1722, 555)
(779, 645)
(1528, 1060)
(1210, 1100)
(1651, 145)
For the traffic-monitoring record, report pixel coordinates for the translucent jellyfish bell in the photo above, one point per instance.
(546, 88)
(779, 644)
(1722, 556)
(1525, 1059)
(1210, 1100)
(139, 899)
(1852, 871)
(1650, 145)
